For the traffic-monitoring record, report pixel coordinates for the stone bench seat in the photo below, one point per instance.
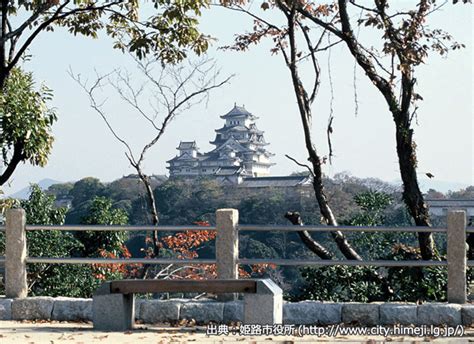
(114, 301)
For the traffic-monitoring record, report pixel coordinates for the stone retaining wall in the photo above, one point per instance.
(306, 312)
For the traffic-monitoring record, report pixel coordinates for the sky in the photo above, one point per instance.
(363, 143)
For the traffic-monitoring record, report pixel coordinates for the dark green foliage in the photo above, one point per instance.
(81, 194)
(138, 212)
(341, 283)
(60, 191)
(372, 204)
(412, 284)
(129, 187)
(65, 280)
(358, 284)
(86, 189)
(182, 203)
(101, 212)
(264, 209)
(252, 248)
(47, 279)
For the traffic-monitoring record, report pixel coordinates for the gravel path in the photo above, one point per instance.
(63, 332)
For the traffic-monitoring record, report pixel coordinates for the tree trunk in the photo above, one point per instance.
(313, 245)
(17, 157)
(153, 212)
(412, 195)
(3, 78)
(304, 106)
(340, 239)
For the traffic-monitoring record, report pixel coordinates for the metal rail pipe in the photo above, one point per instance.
(99, 228)
(307, 262)
(45, 260)
(291, 228)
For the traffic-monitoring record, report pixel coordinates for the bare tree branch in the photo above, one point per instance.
(300, 164)
(176, 87)
(89, 90)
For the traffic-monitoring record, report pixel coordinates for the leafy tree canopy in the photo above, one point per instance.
(101, 212)
(372, 203)
(40, 209)
(86, 189)
(169, 32)
(25, 122)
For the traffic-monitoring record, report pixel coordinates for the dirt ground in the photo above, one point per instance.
(64, 332)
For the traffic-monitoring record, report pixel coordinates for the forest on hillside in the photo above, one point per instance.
(356, 202)
(182, 202)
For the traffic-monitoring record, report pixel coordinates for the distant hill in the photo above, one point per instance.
(43, 184)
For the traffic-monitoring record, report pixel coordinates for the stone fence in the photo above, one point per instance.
(17, 306)
(204, 312)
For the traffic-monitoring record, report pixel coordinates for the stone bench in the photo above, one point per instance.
(114, 302)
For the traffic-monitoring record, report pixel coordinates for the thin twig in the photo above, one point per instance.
(331, 106)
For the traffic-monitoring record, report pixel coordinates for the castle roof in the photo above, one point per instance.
(232, 144)
(251, 129)
(187, 145)
(229, 170)
(186, 157)
(238, 111)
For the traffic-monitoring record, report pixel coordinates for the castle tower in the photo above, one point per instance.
(239, 150)
(240, 127)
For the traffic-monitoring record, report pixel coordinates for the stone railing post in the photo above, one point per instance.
(457, 262)
(15, 254)
(227, 247)
(227, 243)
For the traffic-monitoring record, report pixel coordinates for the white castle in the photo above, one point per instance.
(240, 151)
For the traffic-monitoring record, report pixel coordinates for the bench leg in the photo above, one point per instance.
(113, 312)
(264, 307)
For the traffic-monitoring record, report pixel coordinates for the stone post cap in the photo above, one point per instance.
(225, 210)
(267, 286)
(15, 210)
(457, 211)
